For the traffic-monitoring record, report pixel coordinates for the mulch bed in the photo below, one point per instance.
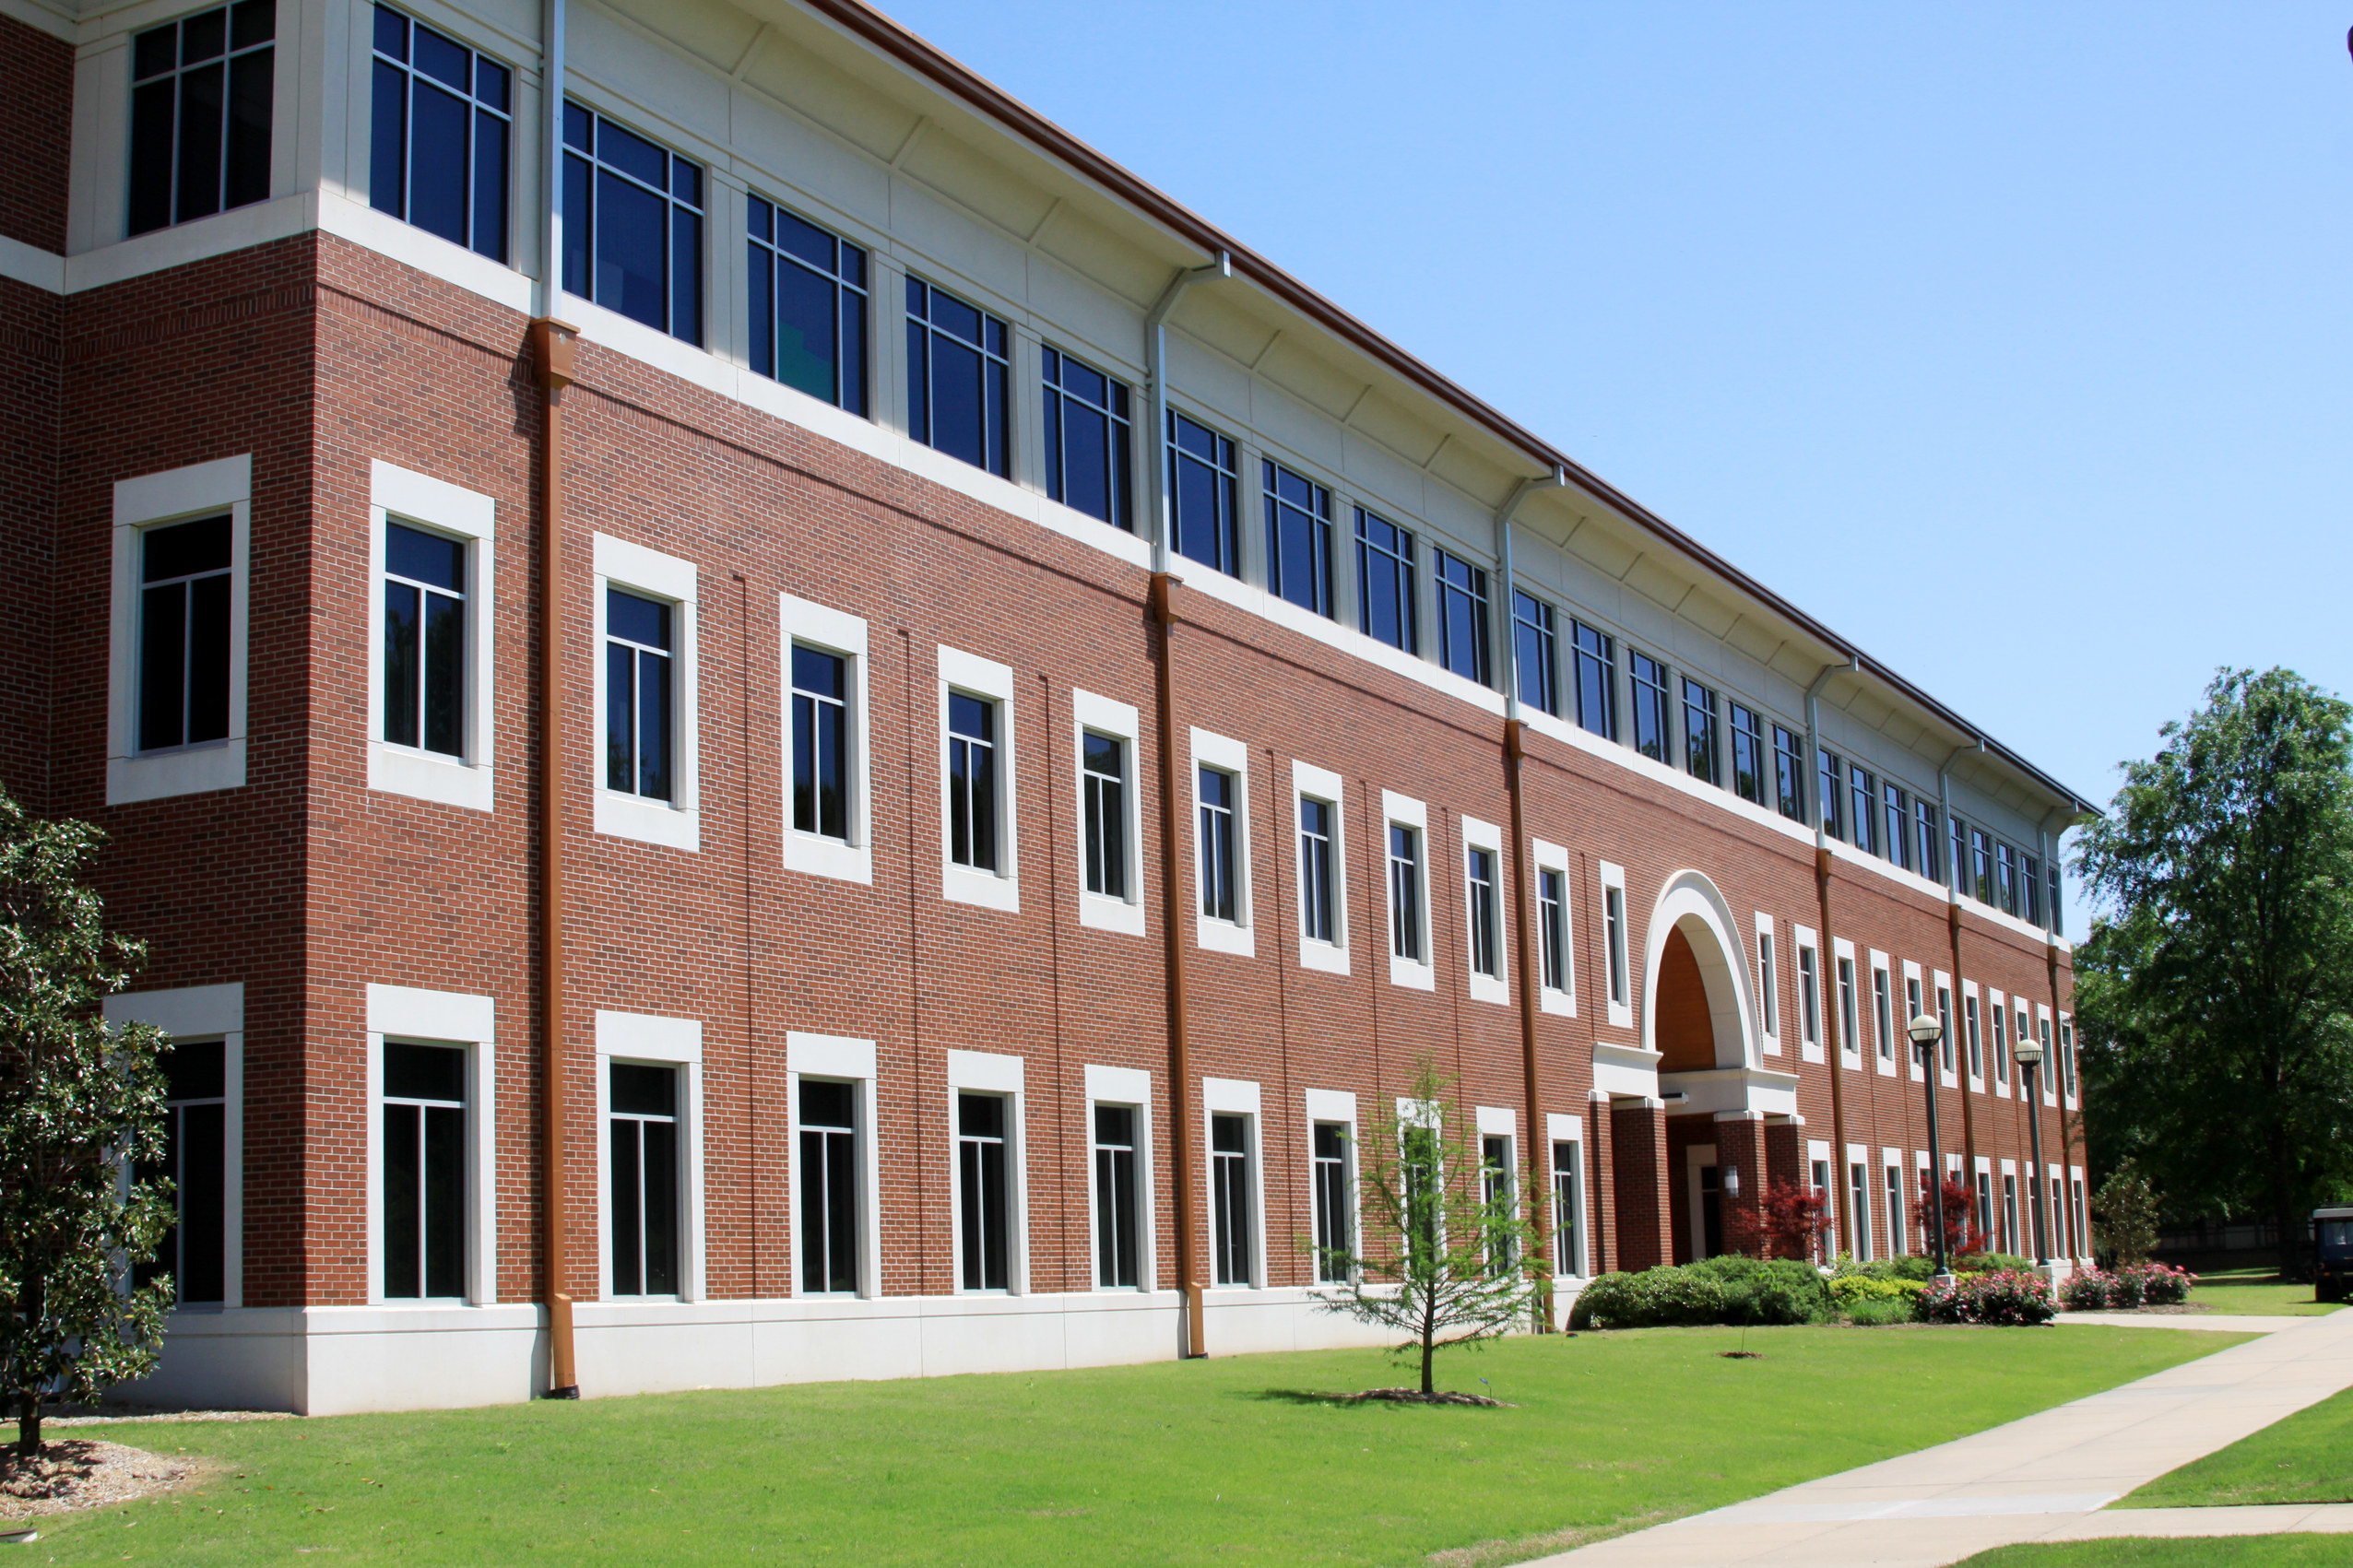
(78, 1472)
(1415, 1396)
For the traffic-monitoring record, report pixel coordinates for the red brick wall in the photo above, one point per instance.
(36, 113)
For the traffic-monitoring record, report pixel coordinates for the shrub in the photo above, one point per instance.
(1879, 1312)
(2127, 1288)
(1849, 1289)
(2161, 1284)
(1920, 1271)
(2007, 1296)
(1656, 1298)
(1781, 1290)
(2086, 1290)
(1990, 1262)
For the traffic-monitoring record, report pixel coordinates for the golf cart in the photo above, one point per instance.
(2332, 1253)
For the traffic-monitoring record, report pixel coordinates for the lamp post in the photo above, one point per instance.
(2028, 1053)
(1925, 1032)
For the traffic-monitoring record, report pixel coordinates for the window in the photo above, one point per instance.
(1911, 1011)
(957, 368)
(829, 1206)
(1487, 957)
(1569, 1209)
(1299, 539)
(1701, 743)
(200, 112)
(809, 305)
(184, 633)
(2068, 1057)
(1859, 1194)
(1897, 813)
(424, 640)
(1882, 1008)
(639, 700)
(1501, 1202)
(1614, 919)
(1229, 1149)
(1537, 652)
(195, 1108)
(1866, 789)
(1945, 1027)
(1551, 928)
(1650, 720)
(2001, 1040)
(1849, 1035)
(1925, 842)
(1385, 582)
(1596, 680)
(984, 1191)
(439, 150)
(1221, 796)
(1405, 892)
(2082, 1217)
(1768, 1000)
(2030, 888)
(1088, 445)
(1959, 843)
(1104, 763)
(820, 684)
(1828, 770)
(644, 1190)
(2058, 911)
(633, 225)
(1317, 828)
(1788, 773)
(972, 782)
(424, 1170)
(1116, 1212)
(2009, 1212)
(1748, 754)
(1981, 868)
(1896, 1240)
(1985, 1202)
(1976, 1045)
(1828, 1243)
(1809, 993)
(1335, 1233)
(1463, 616)
(1203, 483)
(2050, 1070)
(2006, 879)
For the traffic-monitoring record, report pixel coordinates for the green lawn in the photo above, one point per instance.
(2306, 1459)
(2189, 1552)
(2255, 1291)
(1221, 1460)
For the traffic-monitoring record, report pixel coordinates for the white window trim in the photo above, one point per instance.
(1129, 1087)
(799, 620)
(1334, 1106)
(1962, 997)
(1940, 981)
(2066, 1045)
(2047, 1070)
(1802, 941)
(661, 1041)
(1842, 989)
(1562, 1000)
(1862, 1244)
(1237, 936)
(436, 506)
(1236, 1097)
(1617, 961)
(1560, 1127)
(175, 496)
(677, 824)
(987, 1072)
(1891, 1163)
(200, 1013)
(1103, 716)
(837, 1057)
(1911, 977)
(1498, 1121)
(1887, 1046)
(1001, 889)
(1311, 782)
(1496, 987)
(406, 1014)
(1998, 1043)
(1404, 811)
(1768, 1001)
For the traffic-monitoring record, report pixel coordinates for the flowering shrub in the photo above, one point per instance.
(2131, 1285)
(2008, 1296)
(2161, 1283)
(2086, 1290)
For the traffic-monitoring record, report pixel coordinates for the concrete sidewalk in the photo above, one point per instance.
(2042, 1477)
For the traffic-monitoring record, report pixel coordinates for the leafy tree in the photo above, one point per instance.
(1963, 1236)
(2215, 994)
(2124, 1211)
(1791, 1222)
(1443, 1263)
(79, 1105)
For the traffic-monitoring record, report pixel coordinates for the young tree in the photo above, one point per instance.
(79, 1107)
(2124, 1213)
(2215, 994)
(1442, 1262)
(1962, 1234)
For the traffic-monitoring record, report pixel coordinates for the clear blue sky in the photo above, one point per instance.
(2010, 340)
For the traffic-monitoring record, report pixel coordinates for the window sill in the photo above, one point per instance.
(819, 856)
(1561, 1004)
(961, 884)
(1329, 958)
(1621, 1016)
(1100, 913)
(1412, 973)
(1809, 1054)
(1225, 936)
(648, 821)
(1768, 1045)
(396, 769)
(1489, 988)
(166, 774)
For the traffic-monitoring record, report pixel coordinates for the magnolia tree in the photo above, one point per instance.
(1440, 1262)
(81, 1108)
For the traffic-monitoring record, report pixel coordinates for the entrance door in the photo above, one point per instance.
(1711, 1211)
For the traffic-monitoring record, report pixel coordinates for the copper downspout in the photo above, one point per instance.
(1172, 886)
(1515, 734)
(1960, 1021)
(551, 360)
(1826, 968)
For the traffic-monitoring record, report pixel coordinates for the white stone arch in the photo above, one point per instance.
(1690, 901)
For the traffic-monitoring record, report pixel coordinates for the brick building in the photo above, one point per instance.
(742, 818)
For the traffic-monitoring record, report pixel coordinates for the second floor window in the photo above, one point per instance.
(1487, 952)
(1463, 616)
(972, 782)
(1299, 539)
(1551, 928)
(809, 303)
(1405, 892)
(439, 147)
(633, 225)
(1809, 996)
(1088, 449)
(639, 703)
(820, 743)
(1700, 744)
(1596, 680)
(956, 378)
(1202, 482)
(1614, 933)
(185, 606)
(1318, 921)
(424, 640)
(1748, 754)
(1535, 648)
(1385, 581)
(1105, 764)
(200, 115)
(1220, 793)
(1652, 726)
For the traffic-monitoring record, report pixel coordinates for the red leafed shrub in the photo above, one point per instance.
(1791, 1223)
(1962, 1236)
